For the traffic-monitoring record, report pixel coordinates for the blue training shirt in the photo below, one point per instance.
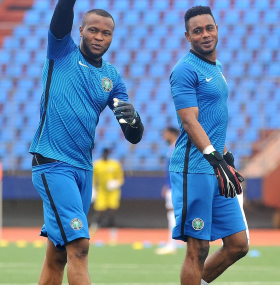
(74, 95)
(197, 82)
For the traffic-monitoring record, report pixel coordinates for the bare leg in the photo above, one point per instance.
(77, 257)
(234, 247)
(53, 266)
(197, 251)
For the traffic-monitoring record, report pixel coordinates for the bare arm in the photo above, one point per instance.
(193, 128)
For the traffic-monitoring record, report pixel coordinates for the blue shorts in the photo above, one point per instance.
(200, 211)
(66, 194)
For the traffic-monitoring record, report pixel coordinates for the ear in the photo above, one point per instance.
(217, 28)
(187, 36)
(81, 31)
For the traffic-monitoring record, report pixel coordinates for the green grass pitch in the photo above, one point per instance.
(122, 265)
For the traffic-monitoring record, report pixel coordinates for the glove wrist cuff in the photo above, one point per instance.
(209, 149)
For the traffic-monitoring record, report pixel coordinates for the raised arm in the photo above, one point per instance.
(62, 19)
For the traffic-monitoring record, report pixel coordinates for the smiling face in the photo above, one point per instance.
(96, 35)
(202, 33)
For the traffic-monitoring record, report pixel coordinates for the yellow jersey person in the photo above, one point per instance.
(108, 178)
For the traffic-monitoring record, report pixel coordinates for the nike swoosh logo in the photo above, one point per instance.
(82, 64)
(208, 79)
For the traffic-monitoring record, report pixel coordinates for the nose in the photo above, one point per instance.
(99, 36)
(205, 33)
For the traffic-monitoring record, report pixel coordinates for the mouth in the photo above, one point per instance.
(207, 43)
(97, 46)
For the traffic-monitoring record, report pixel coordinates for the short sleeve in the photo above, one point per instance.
(119, 91)
(183, 82)
(59, 48)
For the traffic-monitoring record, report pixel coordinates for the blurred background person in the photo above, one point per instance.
(170, 135)
(108, 178)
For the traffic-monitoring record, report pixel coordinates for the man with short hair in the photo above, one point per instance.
(77, 85)
(202, 172)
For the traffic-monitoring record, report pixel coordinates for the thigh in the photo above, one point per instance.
(192, 196)
(64, 215)
(114, 199)
(228, 217)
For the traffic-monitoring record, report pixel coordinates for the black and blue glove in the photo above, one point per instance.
(125, 112)
(229, 179)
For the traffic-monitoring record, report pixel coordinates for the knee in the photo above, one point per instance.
(78, 249)
(238, 251)
(203, 252)
(198, 251)
(59, 259)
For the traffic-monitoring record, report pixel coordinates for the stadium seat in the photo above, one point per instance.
(151, 17)
(159, 5)
(102, 4)
(261, 4)
(137, 70)
(157, 70)
(236, 70)
(252, 17)
(11, 43)
(131, 18)
(172, 17)
(271, 16)
(242, 4)
(121, 5)
(255, 69)
(82, 6)
(232, 17)
(221, 4)
(32, 17)
(164, 56)
(41, 5)
(5, 57)
(143, 56)
(22, 57)
(274, 69)
(272, 42)
(142, 5)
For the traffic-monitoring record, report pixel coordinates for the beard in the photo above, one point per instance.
(206, 52)
(91, 54)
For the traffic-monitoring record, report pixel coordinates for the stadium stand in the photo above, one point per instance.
(147, 43)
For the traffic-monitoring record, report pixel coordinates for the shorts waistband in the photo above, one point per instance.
(38, 159)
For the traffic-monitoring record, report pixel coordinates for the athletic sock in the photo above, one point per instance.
(203, 282)
(171, 225)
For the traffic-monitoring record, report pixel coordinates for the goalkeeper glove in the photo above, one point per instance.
(228, 157)
(228, 178)
(125, 112)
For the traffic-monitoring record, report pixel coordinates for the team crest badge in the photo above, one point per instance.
(107, 84)
(76, 224)
(198, 224)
